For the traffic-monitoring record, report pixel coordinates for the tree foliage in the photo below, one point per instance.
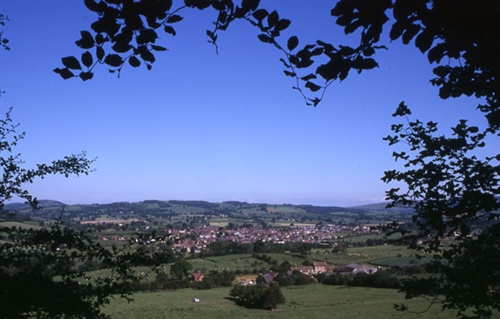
(180, 269)
(15, 176)
(41, 279)
(258, 296)
(454, 194)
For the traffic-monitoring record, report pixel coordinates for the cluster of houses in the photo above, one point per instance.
(315, 269)
(198, 238)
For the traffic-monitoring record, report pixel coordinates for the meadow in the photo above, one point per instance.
(313, 301)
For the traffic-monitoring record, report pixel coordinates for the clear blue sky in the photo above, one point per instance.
(209, 127)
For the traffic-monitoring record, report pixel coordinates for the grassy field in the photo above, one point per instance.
(21, 225)
(314, 301)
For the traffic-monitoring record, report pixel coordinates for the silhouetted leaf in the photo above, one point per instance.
(100, 53)
(133, 61)
(402, 110)
(218, 5)
(284, 63)
(146, 55)
(170, 30)
(292, 43)
(121, 47)
(158, 48)
(308, 77)
(311, 86)
(288, 73)
(100, 39)
(86, 75)
(396, 30)
(441, 71)
(424, 40)
(174, 18)
(282, 24)
(64, 73)
(146, 36)
(260, 14)
(113, 60)
(315, 101)
(367, 64)
(436, 53)
(265, 38)
(87, 41)
(71, 62)
(410, 32)
(273, 18)
(249, 5)
(87, 59)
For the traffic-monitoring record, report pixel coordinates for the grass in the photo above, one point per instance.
(18, 224)
(314, 301)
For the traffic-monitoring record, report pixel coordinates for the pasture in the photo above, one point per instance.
(313, 301)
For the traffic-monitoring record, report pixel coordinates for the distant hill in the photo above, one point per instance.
(24, 206)
(204, 205)
(380, 207)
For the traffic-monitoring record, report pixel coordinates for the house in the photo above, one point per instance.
(305, 270)
(355, 268)
(320, 267)
(198, 276)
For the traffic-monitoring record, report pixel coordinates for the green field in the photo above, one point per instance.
(313, 301)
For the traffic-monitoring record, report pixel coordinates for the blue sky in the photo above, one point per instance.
(204, 126)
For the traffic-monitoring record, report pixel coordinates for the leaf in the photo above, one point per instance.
(146, 55)
(396, 31)
(402, 110)
(87, 59)
(99, 53)
(441, 71)
(174, 18)
(134, 62)
(410, 32)
(113, 60)
(86, 75)
(284, 63)
(146, 36)
(265, 38)
(87, 41)
(64, 73)
(170, 30)
(282, 24)
(311, 86)
(308, 77)
(273, 18)
(288, 73)
(317, 51)
(250, 5)
(121, 47)
(368, 64)
(292, 43)
(158, 48)
(424, 40)
(218, 5)
(71, 63)
(436, 53)
(260, 14)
